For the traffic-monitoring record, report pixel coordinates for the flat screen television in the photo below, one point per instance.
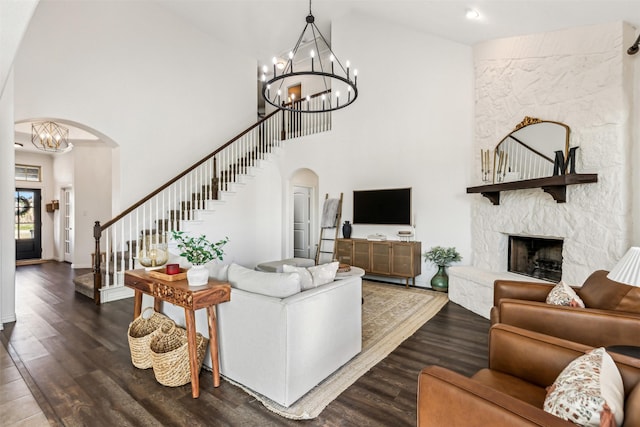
(390, 207)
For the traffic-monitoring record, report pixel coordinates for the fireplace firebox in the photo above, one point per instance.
(536, 257)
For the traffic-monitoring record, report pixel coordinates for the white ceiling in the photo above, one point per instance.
(263, 28)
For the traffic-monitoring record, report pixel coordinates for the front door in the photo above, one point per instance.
(301, 222)
(27, 224)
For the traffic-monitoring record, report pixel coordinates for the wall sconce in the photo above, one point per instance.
(54, 205)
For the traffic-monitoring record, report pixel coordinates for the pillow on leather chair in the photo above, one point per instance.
(589, 392)
(603, 293)
(563, 294)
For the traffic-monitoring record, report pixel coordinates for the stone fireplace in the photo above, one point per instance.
(535, 257)
(581, 77)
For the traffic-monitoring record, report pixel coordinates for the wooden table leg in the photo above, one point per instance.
(137, 304)
(193, 351)
(157, 305)
(213, 345)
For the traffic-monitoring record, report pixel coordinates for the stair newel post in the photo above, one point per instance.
(97, 275)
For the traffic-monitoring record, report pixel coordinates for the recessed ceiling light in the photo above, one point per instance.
(472, 14)
(17, 145)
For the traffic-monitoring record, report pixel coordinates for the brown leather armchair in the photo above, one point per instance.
(511, 391)
(611, 316)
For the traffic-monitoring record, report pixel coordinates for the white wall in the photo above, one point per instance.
(576, 76)
(7, 194)
(410, 127)
(165, 93)
(14, 17)
(92, 198)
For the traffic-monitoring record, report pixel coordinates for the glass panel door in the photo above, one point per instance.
(27, 224)
(68, 223)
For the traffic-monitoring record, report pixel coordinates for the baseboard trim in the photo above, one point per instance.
(115, 293)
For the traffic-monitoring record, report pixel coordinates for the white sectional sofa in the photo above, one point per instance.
(281, 341)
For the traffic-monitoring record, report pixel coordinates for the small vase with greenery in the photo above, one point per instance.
(442, 257)
(198, 251)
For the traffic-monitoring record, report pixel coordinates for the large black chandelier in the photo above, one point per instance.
(312, 65)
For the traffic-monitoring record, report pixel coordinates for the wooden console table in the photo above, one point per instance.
(190, 298)
(382, 258)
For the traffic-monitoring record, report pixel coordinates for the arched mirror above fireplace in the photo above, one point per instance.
(535, 154)
(528, 152)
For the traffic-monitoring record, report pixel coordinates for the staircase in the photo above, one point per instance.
(190, 195)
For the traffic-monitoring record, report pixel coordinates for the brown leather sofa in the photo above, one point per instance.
(511, 391)
(611, 316)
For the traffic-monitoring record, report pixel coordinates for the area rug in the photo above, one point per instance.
(390, 314)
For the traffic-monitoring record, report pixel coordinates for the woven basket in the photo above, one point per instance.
(170, 355)
(140, 333)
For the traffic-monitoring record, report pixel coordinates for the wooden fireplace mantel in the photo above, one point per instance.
(554, 185)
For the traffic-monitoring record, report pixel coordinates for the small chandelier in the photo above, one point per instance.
(329, 85)
(49, 136)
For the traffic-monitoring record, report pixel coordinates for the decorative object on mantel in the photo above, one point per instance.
(346, 230)
(634, 47)
(198, 251)
(485, 165)
(307, 58)
(442, 257)
(531, 149)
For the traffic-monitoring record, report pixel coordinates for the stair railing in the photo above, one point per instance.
(147, 221)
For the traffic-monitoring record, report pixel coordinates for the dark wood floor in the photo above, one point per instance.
(75, 358)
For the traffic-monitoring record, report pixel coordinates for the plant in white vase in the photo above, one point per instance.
(442, 257)
(198, 251)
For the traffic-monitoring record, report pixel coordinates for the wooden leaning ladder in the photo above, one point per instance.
(324, 241)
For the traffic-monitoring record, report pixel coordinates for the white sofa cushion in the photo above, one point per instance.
(279, 285)
(312, 277)
(324, 273)
(306, 280)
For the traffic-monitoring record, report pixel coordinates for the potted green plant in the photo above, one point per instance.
(198, 251)
(442, 257)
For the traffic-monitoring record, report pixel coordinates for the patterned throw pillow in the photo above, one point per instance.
(563, 294)
(589, 390)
